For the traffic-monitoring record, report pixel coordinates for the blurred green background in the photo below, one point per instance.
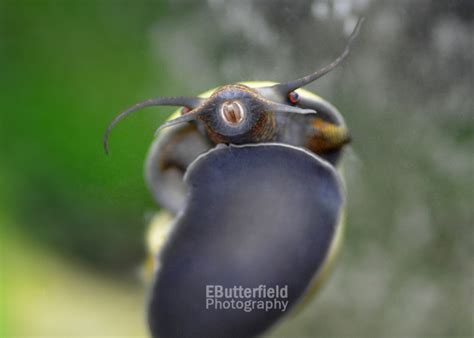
(73, 220)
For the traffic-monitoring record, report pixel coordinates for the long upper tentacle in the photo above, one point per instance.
(286, 87)
(190, 102)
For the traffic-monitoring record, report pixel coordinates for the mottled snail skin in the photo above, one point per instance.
(257, 123)
(327, 137)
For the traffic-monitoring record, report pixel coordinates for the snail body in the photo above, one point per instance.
(248, 176)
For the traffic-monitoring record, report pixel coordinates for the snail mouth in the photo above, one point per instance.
(232, 112)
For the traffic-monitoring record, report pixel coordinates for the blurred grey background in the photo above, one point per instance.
(406, 93)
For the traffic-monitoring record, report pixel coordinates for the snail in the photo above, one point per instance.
(248, 177)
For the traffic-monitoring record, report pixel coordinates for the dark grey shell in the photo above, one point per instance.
(261, 214)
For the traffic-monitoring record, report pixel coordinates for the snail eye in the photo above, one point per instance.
(185, 110)
(294, 97)
(232, 112)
